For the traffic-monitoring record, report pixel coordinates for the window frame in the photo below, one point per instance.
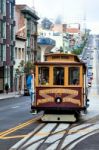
(47, 83)
(63, 75)
(71, 84)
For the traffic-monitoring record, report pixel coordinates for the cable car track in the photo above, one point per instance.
(66, 133)
(74, 142)
(54, 135)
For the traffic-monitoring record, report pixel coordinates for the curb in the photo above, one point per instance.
(9, 97)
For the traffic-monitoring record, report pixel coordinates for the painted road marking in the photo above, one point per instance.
(9, 131)
(12, 137)
(16, 128)
(15, 106)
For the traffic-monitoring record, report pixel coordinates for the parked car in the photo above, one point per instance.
(90, 75)
(26, 92)
(89, 82)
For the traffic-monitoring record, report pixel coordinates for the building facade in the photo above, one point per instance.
(7, 43)
(19, 56)
(26, 41)
(27, 27)
(73, 35)
(56, 33)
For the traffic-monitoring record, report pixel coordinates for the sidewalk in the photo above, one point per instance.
(9, 95)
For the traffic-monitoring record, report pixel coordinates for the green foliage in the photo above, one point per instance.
(22, 63)
(28, 66)
(61, 49)
(24, 68)
(17, 71)
(79, 50)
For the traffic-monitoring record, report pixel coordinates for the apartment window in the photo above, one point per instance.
(11, 10)
(16, 53)
(1, 6)
(23, 53)
(0, 29)
(3, 29)
(19, 53)
(2, 53)
(12, 32)
(33, 44)
(12, 52)
(29, 25)
(28, 41)
(33, 27)
(56, 34)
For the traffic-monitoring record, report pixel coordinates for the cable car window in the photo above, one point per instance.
(43, 75)
(58, 76)
(73, 75)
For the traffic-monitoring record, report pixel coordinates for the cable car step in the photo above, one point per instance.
(59, 118)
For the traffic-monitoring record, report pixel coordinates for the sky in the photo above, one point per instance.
(85, 12)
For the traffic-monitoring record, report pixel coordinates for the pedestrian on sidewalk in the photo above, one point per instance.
(30, 85)
(7, 88)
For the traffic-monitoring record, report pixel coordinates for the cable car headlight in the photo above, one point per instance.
(58, 100)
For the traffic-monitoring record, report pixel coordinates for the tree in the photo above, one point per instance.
(24, 68)
(28, 66)
(61, 49)
(20, 69)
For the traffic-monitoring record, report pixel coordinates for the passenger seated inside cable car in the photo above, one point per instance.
(75, 81)
(58, 75)
(74, 75)
(43, 75)
(44, 82)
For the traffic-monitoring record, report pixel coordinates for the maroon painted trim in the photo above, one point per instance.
(77, 99)
(59, 63)
(58, 109)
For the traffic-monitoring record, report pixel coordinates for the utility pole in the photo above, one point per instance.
(33, 5)
(84, 18)
(84, 22)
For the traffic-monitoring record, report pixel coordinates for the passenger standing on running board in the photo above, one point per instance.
(30, 85)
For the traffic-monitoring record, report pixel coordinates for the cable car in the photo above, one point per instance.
(60, 87)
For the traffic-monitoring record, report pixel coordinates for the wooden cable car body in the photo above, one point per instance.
(60, 87)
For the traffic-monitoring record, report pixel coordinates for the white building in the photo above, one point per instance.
(19, 57)
(58, 37)
(55, 35)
